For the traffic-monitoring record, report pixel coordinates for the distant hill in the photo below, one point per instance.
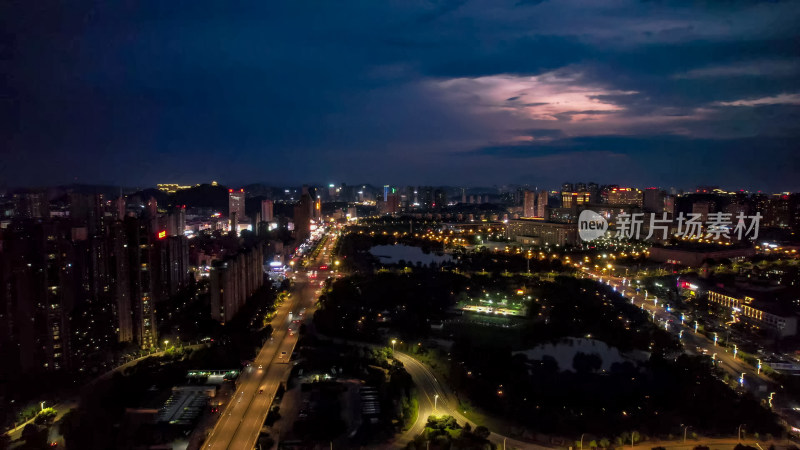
(204, 196)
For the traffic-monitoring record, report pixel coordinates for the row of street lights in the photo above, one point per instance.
(435, 396)
(716, 340)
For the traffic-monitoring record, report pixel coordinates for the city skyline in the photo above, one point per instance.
(481, 93)
(377, 186)
(441, 224)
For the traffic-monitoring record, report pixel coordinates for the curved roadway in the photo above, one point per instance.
(429, 388)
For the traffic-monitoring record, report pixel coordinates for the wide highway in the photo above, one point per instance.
(241, 420)
(759, 383)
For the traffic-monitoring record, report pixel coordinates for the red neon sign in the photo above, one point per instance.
(162, 234)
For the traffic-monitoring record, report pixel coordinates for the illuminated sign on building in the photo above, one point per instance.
(162, 234)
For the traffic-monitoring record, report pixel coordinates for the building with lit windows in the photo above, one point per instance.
(31, 205)
(653, 200)
(171, 188)
(541, 232)
(143, 282)
(303, 214)
(570, 199)
(542, 204)
(236, 205)
(72, 289)
(529, 204)
(38, 295)
(761, 309)
(625, 196)
(391, 205)
(695, 257)
(267, 213)
(234, 280)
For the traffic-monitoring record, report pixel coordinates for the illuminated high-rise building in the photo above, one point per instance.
(653, 200)
(620, 196)
(439, 199)
(176, 221)
(31, 205)
(142, 281)
(233, 280)
(38, 296)
(120, 208)
(152, 208)
(236, 202)
(119, 261)
(542, 199)
(267, 210)
(529, 204)
(570, 199)
(702, 208)
(303, 212)
(391, 205)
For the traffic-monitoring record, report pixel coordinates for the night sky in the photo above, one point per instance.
(478, 92)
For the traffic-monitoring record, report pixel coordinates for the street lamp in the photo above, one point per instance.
(739, 433)
(165, 344)
(394, 341)
(759, 367)
(741, 379)
(435, 401)
(771, 394)
(42, 406)
(735, 351)
(714, 357)
(582, 440)
(680, 334)
(685, 429)
(695, 326)
(715, 339)
(683, 317)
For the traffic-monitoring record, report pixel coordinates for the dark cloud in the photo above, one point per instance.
(141, 92)
(545, 133)
(441, 8)
(570, 114)
(753, 163)
(529, 2)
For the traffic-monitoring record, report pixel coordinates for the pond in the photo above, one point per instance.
(391, 254)
(566, 349)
